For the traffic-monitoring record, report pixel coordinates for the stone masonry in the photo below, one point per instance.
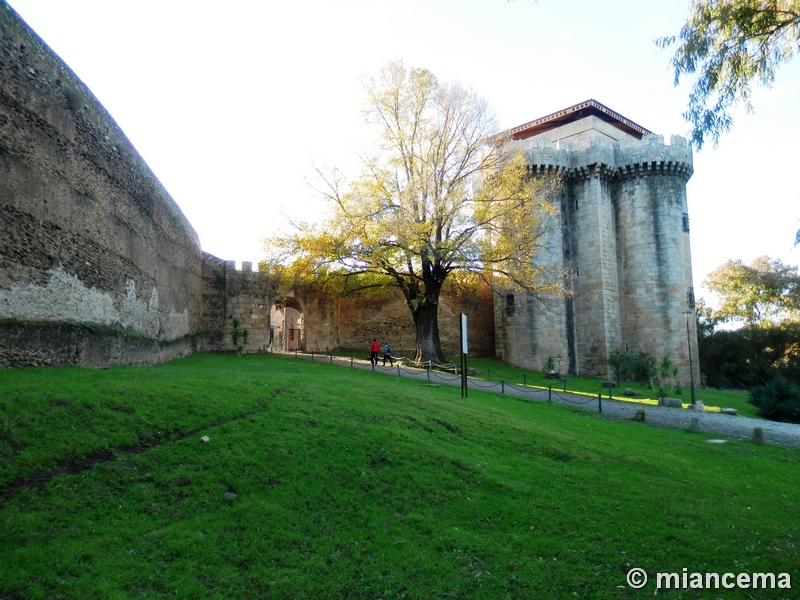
(89, 239)
(623, 240)
(98, 266)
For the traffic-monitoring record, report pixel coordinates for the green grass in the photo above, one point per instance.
(326, 482)
(496, 370)
(737, 399)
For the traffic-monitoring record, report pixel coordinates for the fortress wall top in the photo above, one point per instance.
(87, 232)
(619, 158)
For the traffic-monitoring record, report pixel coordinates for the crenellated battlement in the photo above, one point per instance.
(599, 156)
(623, 238)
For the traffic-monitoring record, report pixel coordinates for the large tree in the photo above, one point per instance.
(730, 44)
(766, 292)
(442, 194)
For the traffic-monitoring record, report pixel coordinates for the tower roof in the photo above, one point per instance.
(574, 113)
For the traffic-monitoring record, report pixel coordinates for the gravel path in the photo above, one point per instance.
(723, 426)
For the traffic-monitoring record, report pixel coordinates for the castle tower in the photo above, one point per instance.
(623, 239)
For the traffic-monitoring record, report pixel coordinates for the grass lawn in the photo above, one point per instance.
(326, 482)
(495, 370)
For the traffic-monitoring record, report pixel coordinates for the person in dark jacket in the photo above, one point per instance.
(387, 354)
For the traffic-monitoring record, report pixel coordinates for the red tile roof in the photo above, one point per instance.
(574, 113)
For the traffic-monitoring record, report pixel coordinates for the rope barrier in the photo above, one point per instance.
(435, 374)
(569, 401)
(441, 372)
(482, 386)
(534, 392)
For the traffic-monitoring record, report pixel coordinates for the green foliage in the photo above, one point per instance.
(778, 400)
(705, 319)
(441, 194)
(238, 336)
(310, 488)
(668, 372)
(750, 356)
(665, 367)
(621, 364)
(731, 44)
(549, 364)
(765, 292)
(640, 366)
(644, 367)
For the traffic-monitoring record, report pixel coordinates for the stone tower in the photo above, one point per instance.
(622, 239)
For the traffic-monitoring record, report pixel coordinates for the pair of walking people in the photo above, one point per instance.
(374, 350)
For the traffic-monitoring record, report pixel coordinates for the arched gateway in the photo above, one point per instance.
(287, 325)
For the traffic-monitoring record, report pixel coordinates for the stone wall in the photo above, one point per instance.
(352, 322)
(531, 327)
(87, 233)
(625, 243)
(98, 266)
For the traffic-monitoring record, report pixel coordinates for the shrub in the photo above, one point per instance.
(748, 357)
(621, 364)
(632, 367)
(238, 336)
(644, 367)
(778, 400)
(549, 365)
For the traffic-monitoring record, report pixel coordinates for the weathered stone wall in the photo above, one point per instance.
(249, 296)
(98, 266)
(626, 245)
(214, 299)
(352, 322)
(530, 328)
(87, 233)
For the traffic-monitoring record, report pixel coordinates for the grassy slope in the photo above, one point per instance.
(710, 397)
(322, 481)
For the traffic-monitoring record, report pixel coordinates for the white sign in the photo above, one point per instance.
(464, 347)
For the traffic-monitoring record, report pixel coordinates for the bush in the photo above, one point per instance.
(750, 356)
(644, 367)
(778, 400)
(238, 336)
(632, 367)
(621, 364)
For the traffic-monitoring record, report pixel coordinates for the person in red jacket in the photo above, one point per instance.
(374, 348)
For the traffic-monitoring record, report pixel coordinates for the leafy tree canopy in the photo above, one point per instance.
(766, 292)
(730, 44)
(440, 195)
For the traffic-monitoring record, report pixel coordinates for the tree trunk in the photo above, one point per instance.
(426, 318)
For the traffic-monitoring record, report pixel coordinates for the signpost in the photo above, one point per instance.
(464, 350)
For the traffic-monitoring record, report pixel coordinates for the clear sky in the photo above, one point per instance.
(232, 103)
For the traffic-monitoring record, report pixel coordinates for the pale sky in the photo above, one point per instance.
(232, 103)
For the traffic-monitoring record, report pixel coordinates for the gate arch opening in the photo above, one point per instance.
(286, 328)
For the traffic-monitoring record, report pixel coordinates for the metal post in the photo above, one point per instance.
(600, 401)
(331, 357)
(524, 380)
(398, 368)
(549, 393)
(351, 362)
(687, 314)
(489, 375)
(502, 386)
(428, 370)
